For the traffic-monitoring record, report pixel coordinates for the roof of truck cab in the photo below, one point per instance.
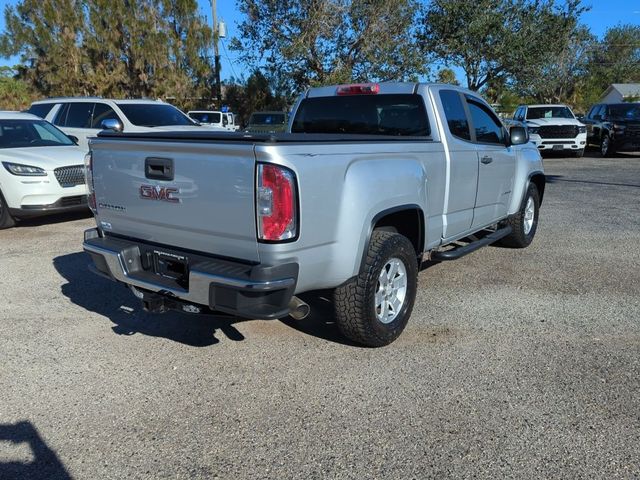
(99, 99)
(386, 88)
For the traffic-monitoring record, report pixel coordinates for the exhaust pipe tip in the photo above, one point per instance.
(298, 309)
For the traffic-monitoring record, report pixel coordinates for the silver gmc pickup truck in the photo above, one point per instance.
(369, 180)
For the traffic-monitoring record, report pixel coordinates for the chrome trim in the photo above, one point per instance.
(199, 282)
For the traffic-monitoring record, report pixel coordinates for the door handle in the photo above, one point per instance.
(158, 168)
(486, 160)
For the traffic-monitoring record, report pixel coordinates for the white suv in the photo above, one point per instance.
(83, 117)
(41, 169)
(553, 127)
(215, 119)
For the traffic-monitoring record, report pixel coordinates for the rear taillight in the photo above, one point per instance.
(88, 179)
(276, 203)
(358, 89)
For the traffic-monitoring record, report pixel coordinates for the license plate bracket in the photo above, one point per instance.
(558, 147)
(171, 266)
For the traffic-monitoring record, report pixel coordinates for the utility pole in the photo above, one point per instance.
(216, 52)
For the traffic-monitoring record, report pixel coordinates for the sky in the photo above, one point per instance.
(603, 14)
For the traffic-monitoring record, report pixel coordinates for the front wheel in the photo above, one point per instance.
(524, 224)
(6, 220)
(374, 308)
(579, 153)
(606, 148)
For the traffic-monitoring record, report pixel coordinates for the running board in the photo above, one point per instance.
(458, 252)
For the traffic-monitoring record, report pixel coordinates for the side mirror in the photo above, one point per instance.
(73, 138)
(111, 124)
(518, 135)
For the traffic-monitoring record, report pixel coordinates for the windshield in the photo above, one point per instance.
(625, 112)
(535, 113)
(31, 133)
(398, 114)
(267, 119)
(206, 117)
(154, 115)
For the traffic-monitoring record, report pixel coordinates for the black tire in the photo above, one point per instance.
(579, 153)
(6, 220)
(519, 237)
(355, 301)
(606, 147)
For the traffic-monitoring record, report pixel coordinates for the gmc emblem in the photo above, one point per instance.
(163, 194)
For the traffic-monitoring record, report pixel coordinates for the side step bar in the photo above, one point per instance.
(461, 251)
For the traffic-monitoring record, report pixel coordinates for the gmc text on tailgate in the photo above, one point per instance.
(369, 181)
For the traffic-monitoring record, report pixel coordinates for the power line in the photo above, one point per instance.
(226, 54)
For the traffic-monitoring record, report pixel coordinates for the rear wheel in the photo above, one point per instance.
(374, 308)
(6, 220)
(524, 224)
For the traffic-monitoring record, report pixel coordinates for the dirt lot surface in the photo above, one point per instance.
(515, 364)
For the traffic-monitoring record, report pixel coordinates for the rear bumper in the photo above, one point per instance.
(65, 204)
(251, 291)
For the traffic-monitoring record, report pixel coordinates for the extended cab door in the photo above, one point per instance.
(496, 163)
(463, 166)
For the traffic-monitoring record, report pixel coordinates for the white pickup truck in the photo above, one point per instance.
(370, 180)
(553, 127)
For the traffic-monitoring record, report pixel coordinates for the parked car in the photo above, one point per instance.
(553, 127)
(267, 122)
(215, 119)
(41, 169)
(83, 117)
(614, 127)
(374, 178)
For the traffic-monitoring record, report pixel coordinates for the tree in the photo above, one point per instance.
(255, 94)
(615, 59)
(47, 33)
(14, 93)
(494, 39)
(558, 79)
(146, 48)
(313, 42)
(446, 75)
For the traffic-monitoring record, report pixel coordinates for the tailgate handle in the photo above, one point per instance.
(156, 168)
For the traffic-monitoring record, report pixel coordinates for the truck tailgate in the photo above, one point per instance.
(197, 196)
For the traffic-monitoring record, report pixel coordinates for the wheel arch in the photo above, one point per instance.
(407, 220)
(540, 181)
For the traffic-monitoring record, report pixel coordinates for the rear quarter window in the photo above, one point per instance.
(455, 114)
(398, 115)
(41, 109)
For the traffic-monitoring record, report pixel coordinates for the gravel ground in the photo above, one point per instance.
(515, 364)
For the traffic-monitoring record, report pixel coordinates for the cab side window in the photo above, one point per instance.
(102, 112)
(596, 112)
(78, 115)
(519, 115)
(455, 114)
(487, 127)
(523, 112)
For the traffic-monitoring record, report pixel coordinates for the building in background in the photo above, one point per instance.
(621, 92)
